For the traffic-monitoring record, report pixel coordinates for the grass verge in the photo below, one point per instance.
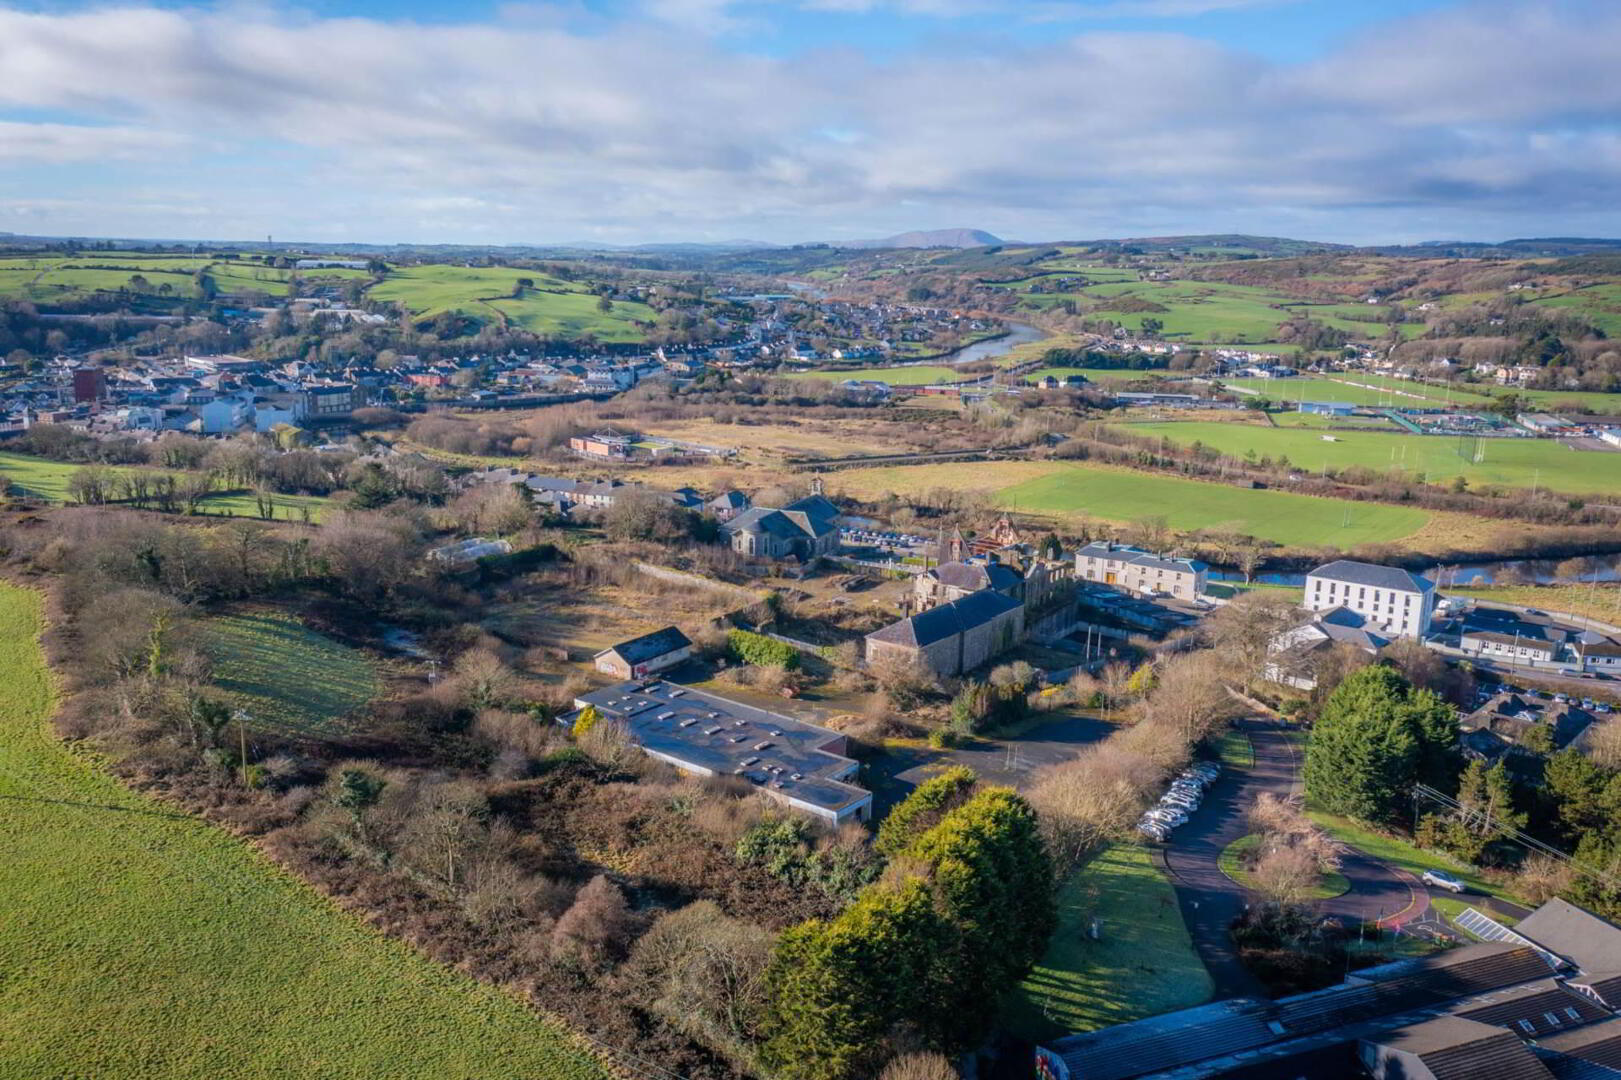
(1398, 852)
(143, 942)
(1231, 863)
(1142, 965)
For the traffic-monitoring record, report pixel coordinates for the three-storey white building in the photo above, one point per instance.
(1396, 601)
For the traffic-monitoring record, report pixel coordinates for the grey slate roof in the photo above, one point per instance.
(939, 623)
(1371, 574)
(1575, 934)
(1453, 1048)
(973, 576)
(1599, 1043)
(650, 646)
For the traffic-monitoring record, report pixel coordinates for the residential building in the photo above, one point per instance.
(953, 637)
(1298, 654)
(954, 580)
(89, 384)
(1395, 602)
(335, 401)
(643, 656)
(727, 506)
(703, 734)
(804, 529)
(1601, 655)
(1142, 572)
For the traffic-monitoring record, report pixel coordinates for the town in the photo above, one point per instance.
(818, 540)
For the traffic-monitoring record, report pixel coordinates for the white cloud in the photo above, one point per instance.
(532, 128)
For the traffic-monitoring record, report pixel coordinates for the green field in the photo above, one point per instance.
(1548, 464)
(1398, 852)
(920, 375)
(141, 942)
(552, 306)
(1094, 374)
(42, 478)
(1186, 505)
(1143, 963)
(47, 279)
(1305, 388)
(286, 676)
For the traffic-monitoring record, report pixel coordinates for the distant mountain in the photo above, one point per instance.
(928, 238)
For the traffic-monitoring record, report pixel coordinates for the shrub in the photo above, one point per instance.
(752, 648)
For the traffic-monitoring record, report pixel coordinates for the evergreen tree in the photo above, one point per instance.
(1375, 739)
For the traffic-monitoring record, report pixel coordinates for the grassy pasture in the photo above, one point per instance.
(1509, 462)
(42, 478)
(143, 942)
(1143, 963)
(485, 293)
(1075, 490)
(286, 675)
(1095, 374)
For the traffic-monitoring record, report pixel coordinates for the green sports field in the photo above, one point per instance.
(1545, 463)
(285, 675)
(1354, 389)
(141, 942)
(552, 306)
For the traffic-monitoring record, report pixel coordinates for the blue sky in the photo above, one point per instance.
(790, 120)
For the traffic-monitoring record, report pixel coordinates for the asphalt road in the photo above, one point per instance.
(1210, 900)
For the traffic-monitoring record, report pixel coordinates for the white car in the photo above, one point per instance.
(1443, 880)
(1154, 831)
(1169, 818)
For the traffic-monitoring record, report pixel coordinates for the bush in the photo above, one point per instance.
(752, 648)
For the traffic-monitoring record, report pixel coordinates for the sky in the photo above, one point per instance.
(641, 121)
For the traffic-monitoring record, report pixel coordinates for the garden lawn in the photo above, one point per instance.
(141, 942)
(285, 675)
(1144, 963)
(1546, 463)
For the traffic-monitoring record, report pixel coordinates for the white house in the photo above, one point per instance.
(1396, 602)
(225, 415)
(1141, 571)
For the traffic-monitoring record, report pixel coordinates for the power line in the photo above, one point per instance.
(1509, 831)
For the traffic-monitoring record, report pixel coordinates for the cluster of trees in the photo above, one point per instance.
(926, 953)
(1375, 738)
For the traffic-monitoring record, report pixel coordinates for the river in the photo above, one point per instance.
(1519, 571)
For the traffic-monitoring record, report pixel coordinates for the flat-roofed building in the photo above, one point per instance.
(796, 763)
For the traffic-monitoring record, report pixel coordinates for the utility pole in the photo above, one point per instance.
(241, 716)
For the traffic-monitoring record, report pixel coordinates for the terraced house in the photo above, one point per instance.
(1141, 572)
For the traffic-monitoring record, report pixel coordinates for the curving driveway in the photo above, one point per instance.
(1210, 900)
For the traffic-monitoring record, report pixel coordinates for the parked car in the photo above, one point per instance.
(1443, 880)
(1180, 802)
(1154, 831)
(1168, 816)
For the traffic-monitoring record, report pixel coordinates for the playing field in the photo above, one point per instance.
(286, 676)
(550, 306)
(1353, 389)
(1545, 463)
(141, 942)
(1074, 490)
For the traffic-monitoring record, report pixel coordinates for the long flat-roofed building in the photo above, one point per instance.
(796, 763)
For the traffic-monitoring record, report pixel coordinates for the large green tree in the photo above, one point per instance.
(1376, 738)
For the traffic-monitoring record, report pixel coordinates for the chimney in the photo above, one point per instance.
(816, 485)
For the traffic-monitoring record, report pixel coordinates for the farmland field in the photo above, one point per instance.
(143, 942)
(56, 278)
(41, 478)
(1073, 490)
(285, 675)
(552, 306)
(1509, 462)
